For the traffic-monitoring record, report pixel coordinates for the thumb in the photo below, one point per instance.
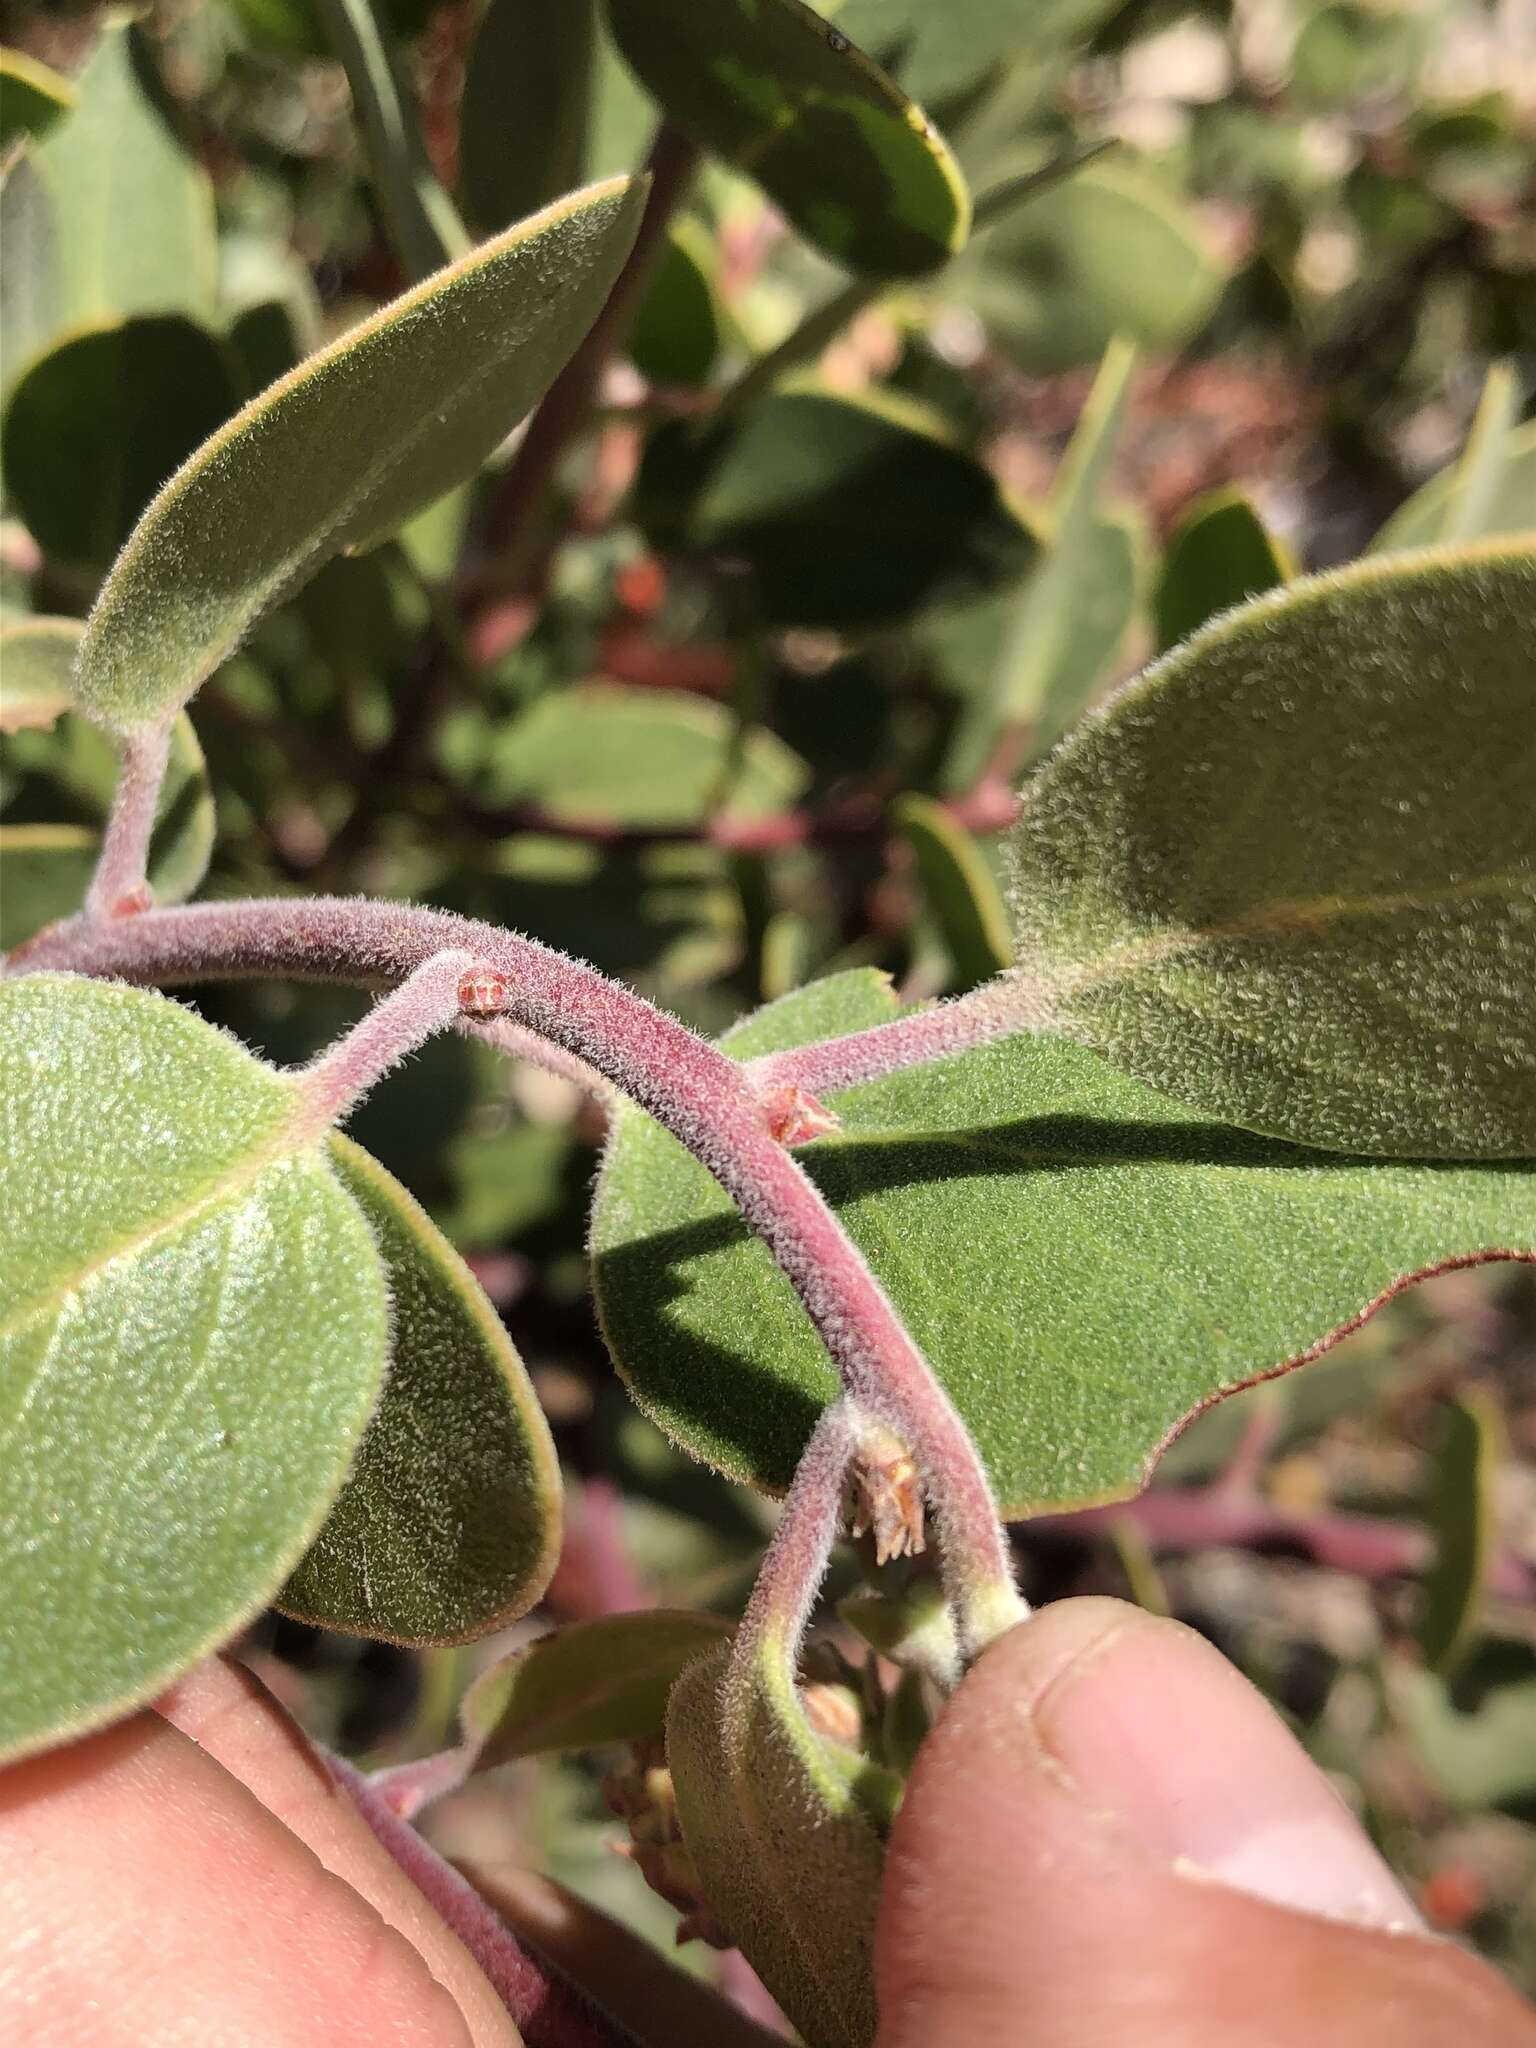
(1109, 1836)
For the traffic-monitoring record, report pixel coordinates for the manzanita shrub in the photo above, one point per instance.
(1254, 1046)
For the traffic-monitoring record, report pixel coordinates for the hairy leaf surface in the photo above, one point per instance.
(193, 1333)
(1084, 1261)
(1289, 873)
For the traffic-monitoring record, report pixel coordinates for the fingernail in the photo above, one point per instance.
(1151, 1728)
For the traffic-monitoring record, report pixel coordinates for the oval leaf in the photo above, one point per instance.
(833, 141)
(1085, 1262)
(194, 1334)
(37, 661)
(528, 83)
(346, 447)
(850, 512)
(1220, 554)
(449, 1523)
(588, 1683)
(785, 1853)
(1289, 874)
(96, 426)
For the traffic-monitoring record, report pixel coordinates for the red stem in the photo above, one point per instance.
(703, 1098)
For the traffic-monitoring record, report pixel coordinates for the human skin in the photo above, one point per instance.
(1108, 1837)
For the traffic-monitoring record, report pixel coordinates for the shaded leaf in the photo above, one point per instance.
(1481, 1758)
(194, 1334)
(449, 1523)
(588, 1683)
(1084, 1261)
(1220, 554)
(849, 512)
(788, 1858)
(958, 888)
(645, 759)
(371, 429)
(96, 426)
(45, 871)
(1289, 873)
(1463, 1514)
(528, 83)
(939, 50)
(1108, 252)
(833, 141)
(675, 335)
(32, 97)
(37, 660)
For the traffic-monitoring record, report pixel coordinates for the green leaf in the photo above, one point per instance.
(1289, 874)
(360, 436)
(788, 1858)
(1085, 1262)
(94, 428)
(850, 512)
(449, 1523)
(45, 871)
(675, 335)
(195, 1332)
(835, 144)
(423, 226)
(1109, 252)
(1481, 1758)
(32, 97)
(528, 84)
(1463, 1512)
(1220, 553)
(37, 660)
(130, 213)
(940, 50)
(1490, 489)
(1041, 673)
(959, 890)
(588, 1683)
(646, 759)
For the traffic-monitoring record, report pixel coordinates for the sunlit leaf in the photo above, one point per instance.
(590, 1682)
(832, 140)
(194, 1333)
(1289, 874)
(1084, 1261)
(371, 429)
(449, 1522)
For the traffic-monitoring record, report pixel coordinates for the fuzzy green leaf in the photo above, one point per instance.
(639, 758)
(449, 1522)
(1084, 1261)
(788, 1858)
(590, 1682)
(360, 436)
(194, 1334)
(1220, 554)
(832, 140)
(1289, 874)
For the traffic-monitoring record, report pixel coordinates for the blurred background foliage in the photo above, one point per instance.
(744, 701)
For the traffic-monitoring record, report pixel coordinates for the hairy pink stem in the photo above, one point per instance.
(547, 2009)
(795, 1561)
(996, 1010)
(119, 887)
(702, 1097)
(426, 1002)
